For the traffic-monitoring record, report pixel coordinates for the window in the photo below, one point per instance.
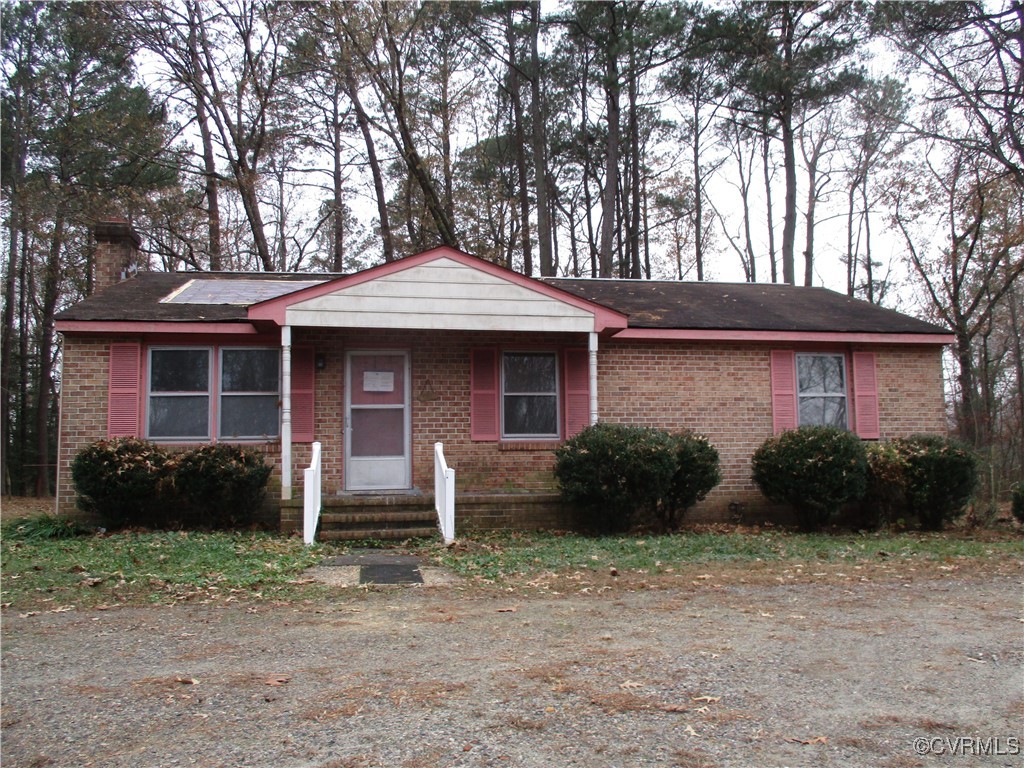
(249, 393)
(529, 394)
(821, 389)
(192, 388)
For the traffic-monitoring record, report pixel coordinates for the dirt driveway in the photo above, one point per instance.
(702, 672)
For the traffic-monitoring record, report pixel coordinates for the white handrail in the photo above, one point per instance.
(311, 496)
(444, 495)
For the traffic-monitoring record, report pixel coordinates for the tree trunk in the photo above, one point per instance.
(612, 89)
(544, 218)
(633, 247)
(765, 158)
(210, 177)
(698, 197)
(520, 144)
(44, 352)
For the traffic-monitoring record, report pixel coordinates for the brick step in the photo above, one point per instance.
(353, 534)
(338, 519)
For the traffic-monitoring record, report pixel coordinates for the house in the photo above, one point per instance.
(379, 365)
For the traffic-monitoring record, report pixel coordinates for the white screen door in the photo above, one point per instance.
(377, 419)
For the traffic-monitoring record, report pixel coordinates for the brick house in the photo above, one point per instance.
(379, 365)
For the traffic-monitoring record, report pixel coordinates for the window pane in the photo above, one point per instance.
(180, 370)
(821, 373)
(179, 416)
(248, 416)
(530, 372)
(531, 415)
(823, 411)
(249, 370)
(378, 432)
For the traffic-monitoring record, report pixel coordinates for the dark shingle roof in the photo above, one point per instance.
(649, 304)
(741, 306)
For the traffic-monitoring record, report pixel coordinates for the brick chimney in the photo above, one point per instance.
(117, 253)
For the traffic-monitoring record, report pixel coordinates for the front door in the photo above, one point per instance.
(377, 421)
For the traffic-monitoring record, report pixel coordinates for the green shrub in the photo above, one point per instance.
(120, 480)
(886, 492)
(941, 475)
(613, 471)
(1017, 500)
(695, 475)
(816, 470)
(221, 485)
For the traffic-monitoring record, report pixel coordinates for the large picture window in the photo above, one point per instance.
(193, 389)
(529, 394)
(821, 383)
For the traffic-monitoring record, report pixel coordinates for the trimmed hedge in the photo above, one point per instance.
(815, 470)
(120, 480)
(128, 482)
(941, 477)
(618, 473)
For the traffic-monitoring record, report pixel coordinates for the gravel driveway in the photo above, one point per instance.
(700, 672)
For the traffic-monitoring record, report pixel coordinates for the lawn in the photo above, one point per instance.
(169, 567)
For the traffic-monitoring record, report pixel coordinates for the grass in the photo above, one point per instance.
(513, 556)
(127, 568)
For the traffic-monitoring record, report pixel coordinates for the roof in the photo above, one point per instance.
(225, 297)
(741, 307)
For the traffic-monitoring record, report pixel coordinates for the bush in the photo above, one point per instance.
(887, 483)
(221, 485)
(1017, 500)
(616, 472)
(613, 471)
(695, 475)
(120, 480)
(813, 469)
(941, 475)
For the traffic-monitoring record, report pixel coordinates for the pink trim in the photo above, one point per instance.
(274, 309)
(125, 326)
(668, 334)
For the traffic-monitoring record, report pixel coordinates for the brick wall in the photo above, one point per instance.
(722, 390)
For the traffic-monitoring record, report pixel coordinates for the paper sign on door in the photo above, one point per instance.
(378, 381)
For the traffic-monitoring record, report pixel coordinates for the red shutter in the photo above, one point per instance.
(865, 396)
(784, 406)
(303, 386)
(484, 420)
(123, 391)
(577, 391)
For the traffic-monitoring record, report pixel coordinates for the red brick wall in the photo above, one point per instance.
(722, 390)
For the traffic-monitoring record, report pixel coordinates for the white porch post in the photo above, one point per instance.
(592, 350)
(286, 412)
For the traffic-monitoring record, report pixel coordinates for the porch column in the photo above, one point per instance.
(286, 412)
(592, 350)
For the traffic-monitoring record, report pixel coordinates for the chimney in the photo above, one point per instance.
(117, 253)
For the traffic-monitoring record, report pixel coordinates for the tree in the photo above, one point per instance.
(785, 58)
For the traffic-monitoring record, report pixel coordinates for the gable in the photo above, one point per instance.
(441, 290)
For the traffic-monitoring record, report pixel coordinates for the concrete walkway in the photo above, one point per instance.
(379, 567)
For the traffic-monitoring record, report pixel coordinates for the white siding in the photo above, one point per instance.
(441, 295)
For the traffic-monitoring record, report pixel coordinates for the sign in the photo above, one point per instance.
(378, 381)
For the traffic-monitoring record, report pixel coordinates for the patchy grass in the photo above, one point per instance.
(104, 570)
(503, 557)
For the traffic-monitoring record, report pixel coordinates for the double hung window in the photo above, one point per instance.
(821, 390)
(202, 393)
(529, 394)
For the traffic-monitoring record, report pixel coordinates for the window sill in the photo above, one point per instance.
(529, 445)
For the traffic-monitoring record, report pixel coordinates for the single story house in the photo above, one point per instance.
(501, 368)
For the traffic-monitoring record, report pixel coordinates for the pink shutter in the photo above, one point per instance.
(303, 386)
(577, 391)
(865, 396)
(484, 420)
(123, 391)
(784, 400)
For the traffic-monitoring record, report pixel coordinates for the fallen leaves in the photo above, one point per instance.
(277, 680)
(815, 740)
